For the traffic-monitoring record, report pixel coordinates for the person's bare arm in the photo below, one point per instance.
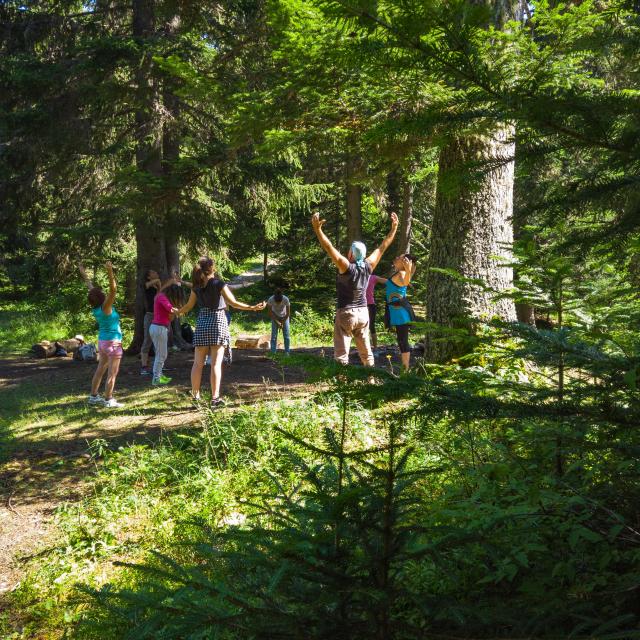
(184, 309)
(336, 257)
(154, 282)
(274, 317)
(178, 280)
(169, 283)
(107, 305)
(381, 280)
(236, 304)
(403, 276)
(375, 256)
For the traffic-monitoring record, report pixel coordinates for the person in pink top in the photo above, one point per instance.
(371, 306)
(165, 305)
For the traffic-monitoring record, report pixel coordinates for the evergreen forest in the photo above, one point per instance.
(181, 180)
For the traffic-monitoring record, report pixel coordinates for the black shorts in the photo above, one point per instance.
(372, 317)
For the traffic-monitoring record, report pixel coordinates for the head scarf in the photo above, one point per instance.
(358, 251)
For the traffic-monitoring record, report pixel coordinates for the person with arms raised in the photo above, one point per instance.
(354, 270)
(109, 339)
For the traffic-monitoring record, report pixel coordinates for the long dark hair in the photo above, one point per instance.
(202, 271)
(174, 293)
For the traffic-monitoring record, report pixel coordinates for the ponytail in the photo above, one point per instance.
(201, 272)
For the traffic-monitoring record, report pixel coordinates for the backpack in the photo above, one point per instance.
(187, 332)
(86, 353)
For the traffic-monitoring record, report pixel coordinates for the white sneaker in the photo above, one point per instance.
(112, 403)
(96, 400)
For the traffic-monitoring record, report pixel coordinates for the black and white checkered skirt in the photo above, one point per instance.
(212, 328)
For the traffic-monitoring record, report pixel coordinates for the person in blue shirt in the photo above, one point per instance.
(109, 339)
(404, 267)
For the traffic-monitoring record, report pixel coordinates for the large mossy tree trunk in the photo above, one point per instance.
(472, 235)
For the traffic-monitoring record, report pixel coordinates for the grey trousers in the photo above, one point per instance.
(160, 337)
(147, 342)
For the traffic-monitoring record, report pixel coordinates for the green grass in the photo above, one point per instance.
(145, 496)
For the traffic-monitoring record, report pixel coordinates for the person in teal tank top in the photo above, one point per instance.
(109, 340)
(396, 292)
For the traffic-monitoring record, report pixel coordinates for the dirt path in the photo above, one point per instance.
(45, 459)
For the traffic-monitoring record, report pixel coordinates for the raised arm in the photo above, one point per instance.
(403, 276)
(336, 257)
(375, 256)
(154, 282)
(236, 304)
(180, 281)
(184, 309)
(107, 305)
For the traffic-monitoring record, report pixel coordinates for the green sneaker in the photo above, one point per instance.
(161, 380)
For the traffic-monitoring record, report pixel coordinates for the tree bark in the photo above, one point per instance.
(353, 202)
(403, 239)
(150, 242)
(472, 224)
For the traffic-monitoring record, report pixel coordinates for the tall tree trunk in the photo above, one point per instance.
(394, 191)
(400, 201)
(471, 226)
(403, 238)
(150, 242)
(265, 262)
(353, 202)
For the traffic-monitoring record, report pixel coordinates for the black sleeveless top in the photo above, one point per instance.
(210, 296)
(352, 286)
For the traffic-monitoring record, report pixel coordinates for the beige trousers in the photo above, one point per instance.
(352, 323)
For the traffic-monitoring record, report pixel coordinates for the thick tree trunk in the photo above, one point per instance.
(472, 225)
(353, 202)
(150, 242)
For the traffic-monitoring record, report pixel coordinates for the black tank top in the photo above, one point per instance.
(352, 286)
(210, 296)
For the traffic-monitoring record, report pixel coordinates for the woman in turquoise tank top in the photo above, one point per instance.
(109, 340)
(396, 292)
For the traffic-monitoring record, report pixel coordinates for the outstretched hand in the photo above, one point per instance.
(108, 265)
(394, 220)
(316, 222)
(260, 306)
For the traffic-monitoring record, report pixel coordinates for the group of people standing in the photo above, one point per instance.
(163, 303)
(355, 315)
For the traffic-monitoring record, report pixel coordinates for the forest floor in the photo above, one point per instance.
(47, 430)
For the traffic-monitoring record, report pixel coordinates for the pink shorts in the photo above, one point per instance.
(110, 348)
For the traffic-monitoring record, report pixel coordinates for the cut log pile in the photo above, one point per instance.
(253, 342)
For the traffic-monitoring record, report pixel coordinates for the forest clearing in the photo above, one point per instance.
(319, 319)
